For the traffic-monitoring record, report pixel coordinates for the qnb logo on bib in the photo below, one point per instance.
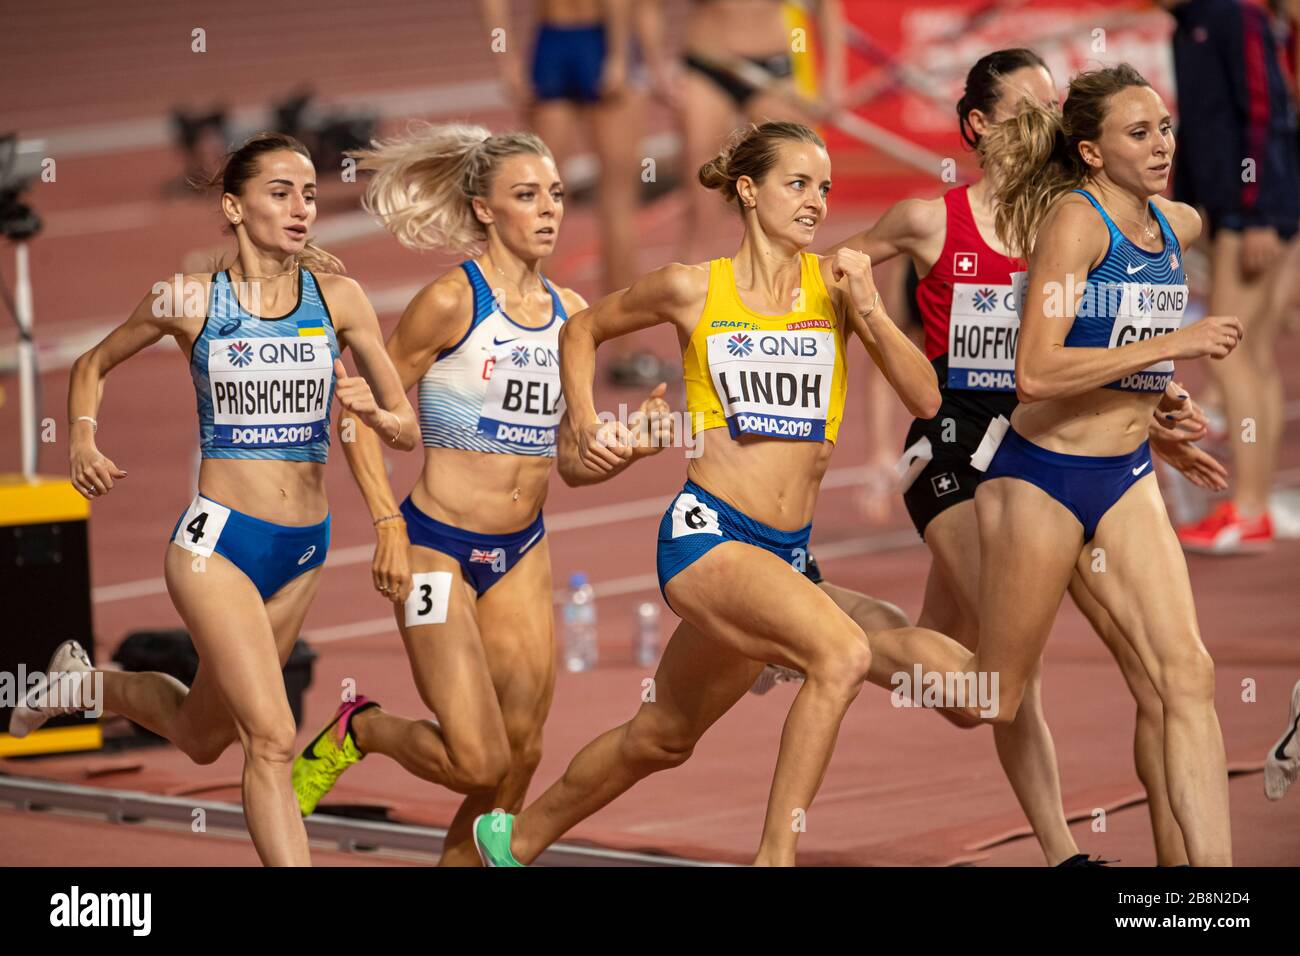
(269, 392)
(523, 402)
(983, 329)
(1147, 311)
(774, 383)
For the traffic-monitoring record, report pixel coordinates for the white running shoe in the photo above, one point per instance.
(67, 668)
(772, 675)
(1283, 762)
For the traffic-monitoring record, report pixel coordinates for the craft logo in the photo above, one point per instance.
(740, 345)
(241, 354)
(519, 355)
(985, 300)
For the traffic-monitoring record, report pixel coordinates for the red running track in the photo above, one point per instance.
(904, 787)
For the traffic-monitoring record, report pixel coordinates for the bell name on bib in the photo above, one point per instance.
(269, 392)
(983, 329)
(523, 402)
(774, 383)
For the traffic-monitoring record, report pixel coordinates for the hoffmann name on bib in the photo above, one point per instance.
(523, 402)
(983, 328)
(774, 383)
(269, 392)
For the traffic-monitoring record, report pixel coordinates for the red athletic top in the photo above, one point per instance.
(965, 258)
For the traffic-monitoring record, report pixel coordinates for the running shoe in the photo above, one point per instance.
(492, 839)
(772, 675)
(1082, 859)
(1283, 763)
(67, 668)
(323, 761)
(1223, 531)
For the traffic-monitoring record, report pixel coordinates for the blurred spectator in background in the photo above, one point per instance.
(1237, 162)
(583, 72)
(748, 60)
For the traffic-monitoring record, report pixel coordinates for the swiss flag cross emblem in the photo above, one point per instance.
(965, 263)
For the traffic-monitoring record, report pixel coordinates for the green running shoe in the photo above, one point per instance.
(323, 761)
(492, 839)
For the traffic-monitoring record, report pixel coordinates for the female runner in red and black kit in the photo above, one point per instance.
(966, 301)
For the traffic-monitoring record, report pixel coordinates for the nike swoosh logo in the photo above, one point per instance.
(1280, 753)
(1141, 468)
(497, 341)
(1131, 271)
(529, 543)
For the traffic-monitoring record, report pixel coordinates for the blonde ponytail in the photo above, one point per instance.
(1030, 159)
(425, 181)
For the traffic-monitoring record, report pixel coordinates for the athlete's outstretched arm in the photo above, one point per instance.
(1069, 242)
(379, 401)
(158, 314)
(903, 228)
(672, 294)
(425, 327)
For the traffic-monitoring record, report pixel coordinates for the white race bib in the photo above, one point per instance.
(1147, 311)
(523, 403)
(774, 383)
(983, 329)
(430, 595)
(269, 392)
(201, 526)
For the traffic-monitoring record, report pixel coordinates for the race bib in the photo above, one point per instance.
(774, 383)
(269, 392)
(201, 526)
(523, 403)
(429, 598)
(982, 333)
(1146, 311)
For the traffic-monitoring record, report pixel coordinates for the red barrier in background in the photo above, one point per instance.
(927, 49)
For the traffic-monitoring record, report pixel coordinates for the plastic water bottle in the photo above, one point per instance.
(580, 625)
(645, 646)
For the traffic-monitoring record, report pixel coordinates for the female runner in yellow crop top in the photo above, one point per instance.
(763, 338)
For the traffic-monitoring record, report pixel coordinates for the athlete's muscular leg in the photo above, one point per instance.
(1028, 545)
(1148, 737)
(517, 624)
(1147, 593)
(1025, 747)
(196, 719)
(466, 750)
(233, 635)
(697, 681)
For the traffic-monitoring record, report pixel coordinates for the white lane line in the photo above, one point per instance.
(563, 521)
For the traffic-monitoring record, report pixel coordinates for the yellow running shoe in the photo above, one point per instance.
(324, 759)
